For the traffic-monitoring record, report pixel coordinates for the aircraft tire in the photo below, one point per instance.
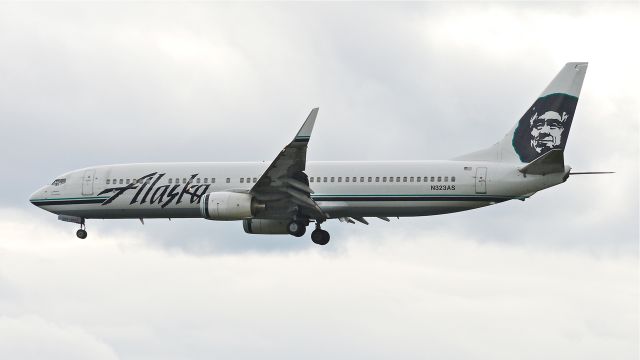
(320, 237)
(81, 233)
(296, 229)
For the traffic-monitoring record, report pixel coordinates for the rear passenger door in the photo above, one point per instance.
(481, 180)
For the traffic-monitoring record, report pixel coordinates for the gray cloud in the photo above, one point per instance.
(31, 337)
(414, 294)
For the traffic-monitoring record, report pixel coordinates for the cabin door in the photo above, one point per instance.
(87, 182)
(481, 180)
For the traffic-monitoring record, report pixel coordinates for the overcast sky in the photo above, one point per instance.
(555, 276)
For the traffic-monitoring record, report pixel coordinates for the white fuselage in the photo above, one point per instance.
(341, 189)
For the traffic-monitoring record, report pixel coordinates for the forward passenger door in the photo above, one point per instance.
(87, 182)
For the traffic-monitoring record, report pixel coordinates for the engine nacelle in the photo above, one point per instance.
(225, 205)
(265, 226)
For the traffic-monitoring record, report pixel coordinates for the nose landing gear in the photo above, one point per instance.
(81, 233)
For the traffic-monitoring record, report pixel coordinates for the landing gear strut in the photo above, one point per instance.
(296, 228)
(81, 233)
(319, 236)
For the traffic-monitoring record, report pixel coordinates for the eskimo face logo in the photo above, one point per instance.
(546, 131)
(545, 126)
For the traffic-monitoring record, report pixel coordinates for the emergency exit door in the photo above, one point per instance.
(481, 180)
(87, 182)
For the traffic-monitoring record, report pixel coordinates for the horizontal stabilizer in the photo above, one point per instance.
(550, 162)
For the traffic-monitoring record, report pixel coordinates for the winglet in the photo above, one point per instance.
(305, 131)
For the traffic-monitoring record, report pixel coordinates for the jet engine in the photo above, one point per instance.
(225, 205)
(265, 226)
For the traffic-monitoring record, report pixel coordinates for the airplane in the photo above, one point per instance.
(287, 195)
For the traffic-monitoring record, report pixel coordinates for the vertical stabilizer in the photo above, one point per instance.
(545, 125)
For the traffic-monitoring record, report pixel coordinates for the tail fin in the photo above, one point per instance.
(545, 125)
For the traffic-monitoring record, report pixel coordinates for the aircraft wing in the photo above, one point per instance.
(284, 187)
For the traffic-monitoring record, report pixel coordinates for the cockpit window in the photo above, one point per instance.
(58, 182)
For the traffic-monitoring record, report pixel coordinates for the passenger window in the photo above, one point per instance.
(390, 178)
(228, 180)
(404, 179)
(439, 178)
(108, 181)
(453, 179)
(213, 180)
(377, 179)
(184, 180)
(206, 180)
(324, 179)
(432, 179)
(354, 179)
(346, 179)
(255, 180)
(198, 180)
(384, 179)
(128, 181)
(339, 178)
(120, 181)
(177, 181)
(241, 180)
(411, 179)
(311, 179)
(333, 179)
(446, 179)
(362, 179)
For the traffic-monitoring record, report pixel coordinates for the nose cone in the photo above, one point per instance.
(38, 196)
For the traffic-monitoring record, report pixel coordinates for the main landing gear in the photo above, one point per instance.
(319, 236)
(297, 228)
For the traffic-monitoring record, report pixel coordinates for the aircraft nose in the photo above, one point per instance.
(37, 195)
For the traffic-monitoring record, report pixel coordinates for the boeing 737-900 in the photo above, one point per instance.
(287, 195)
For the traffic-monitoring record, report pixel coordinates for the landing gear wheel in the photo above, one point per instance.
(296, 229)
(320, 237)
(81, 233)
